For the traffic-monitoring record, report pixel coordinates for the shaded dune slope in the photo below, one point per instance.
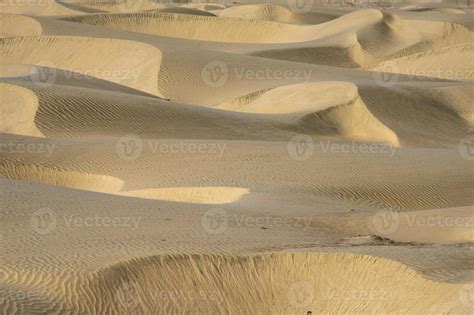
(12, 25)
(135, 65)
(286, 283)
(59, 177)
(278, 13)
(342, 41)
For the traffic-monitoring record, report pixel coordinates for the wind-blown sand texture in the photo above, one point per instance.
(289, 157)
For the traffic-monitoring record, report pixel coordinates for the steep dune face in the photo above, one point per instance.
(286, 283)
(227, 29)
(134, 64)
(327, 108)
(429, 117)
(18, 107)
(276, 13)
(59, 177)
(195, 27)
(433, 63)
(12, 25)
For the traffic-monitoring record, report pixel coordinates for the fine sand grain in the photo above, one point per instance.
(288, 157)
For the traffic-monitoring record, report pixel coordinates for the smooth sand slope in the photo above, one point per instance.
(236, 158)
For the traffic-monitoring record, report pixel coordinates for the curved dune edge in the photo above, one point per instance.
(18, 107)
(224, 29)
(458, 99)
(343, 41)
(426, 226)
(204, 195)
(59, 177)
(287, 283)
(275, 13)
(118, 6)
(388, 38)
(37, 8)
(184, 10)
(12, 25)
(128, 63)
(326, 108)
(434, 63)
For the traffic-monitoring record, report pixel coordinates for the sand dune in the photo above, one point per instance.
(277, 13)
(236, 157)
(136, 65)
(18, 109)
(12, 25)
(205, 195)
(37, 8)
(59, 177)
